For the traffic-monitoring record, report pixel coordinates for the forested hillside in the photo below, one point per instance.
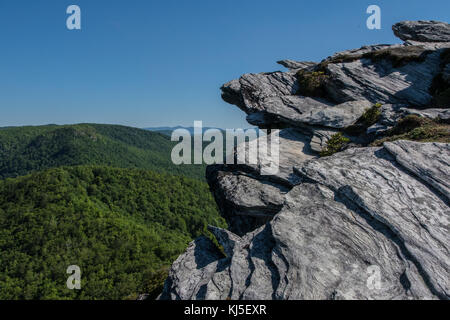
(28, 149)
(122, 227)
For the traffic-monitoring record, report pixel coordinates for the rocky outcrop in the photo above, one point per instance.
(247, 197)
(192, 271)
(293, 148)
(295, 65)
(429, 162)
(370, 179)
(364, 223)
(423, 31)
(390, 114)
(441, 114)
(378, 79)
(360, 211)
(361, 77)
(352, 81)
(245, 201)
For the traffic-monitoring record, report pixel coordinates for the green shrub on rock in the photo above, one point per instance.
(368, 118)
(335, 144)
(311, 83)
(417, 128)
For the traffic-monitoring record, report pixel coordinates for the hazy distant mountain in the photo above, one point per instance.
(168, 130)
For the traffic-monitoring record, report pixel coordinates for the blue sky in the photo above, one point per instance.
(161, 63)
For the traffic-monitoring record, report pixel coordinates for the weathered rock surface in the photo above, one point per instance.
(381, 82)
(228, 239)
(320, 139)
(423, 31)
(390, 114)
(296, 65)
(250, 194)
(430, 162)
(365, 223)
(407, 206)
(192, 270)
(293, 148)
(245, 202)
(441, 114)
(361, 213)
(355, 78)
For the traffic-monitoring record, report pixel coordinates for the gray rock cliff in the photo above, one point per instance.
(424, 31)
(368, 222)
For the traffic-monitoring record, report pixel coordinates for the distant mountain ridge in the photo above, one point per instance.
(33, 148)
(169, 130)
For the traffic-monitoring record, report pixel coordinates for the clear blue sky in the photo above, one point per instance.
(157, 63)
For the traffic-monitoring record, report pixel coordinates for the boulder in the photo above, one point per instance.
(422, 31)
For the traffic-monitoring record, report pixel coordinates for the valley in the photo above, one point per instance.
(103, 197)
